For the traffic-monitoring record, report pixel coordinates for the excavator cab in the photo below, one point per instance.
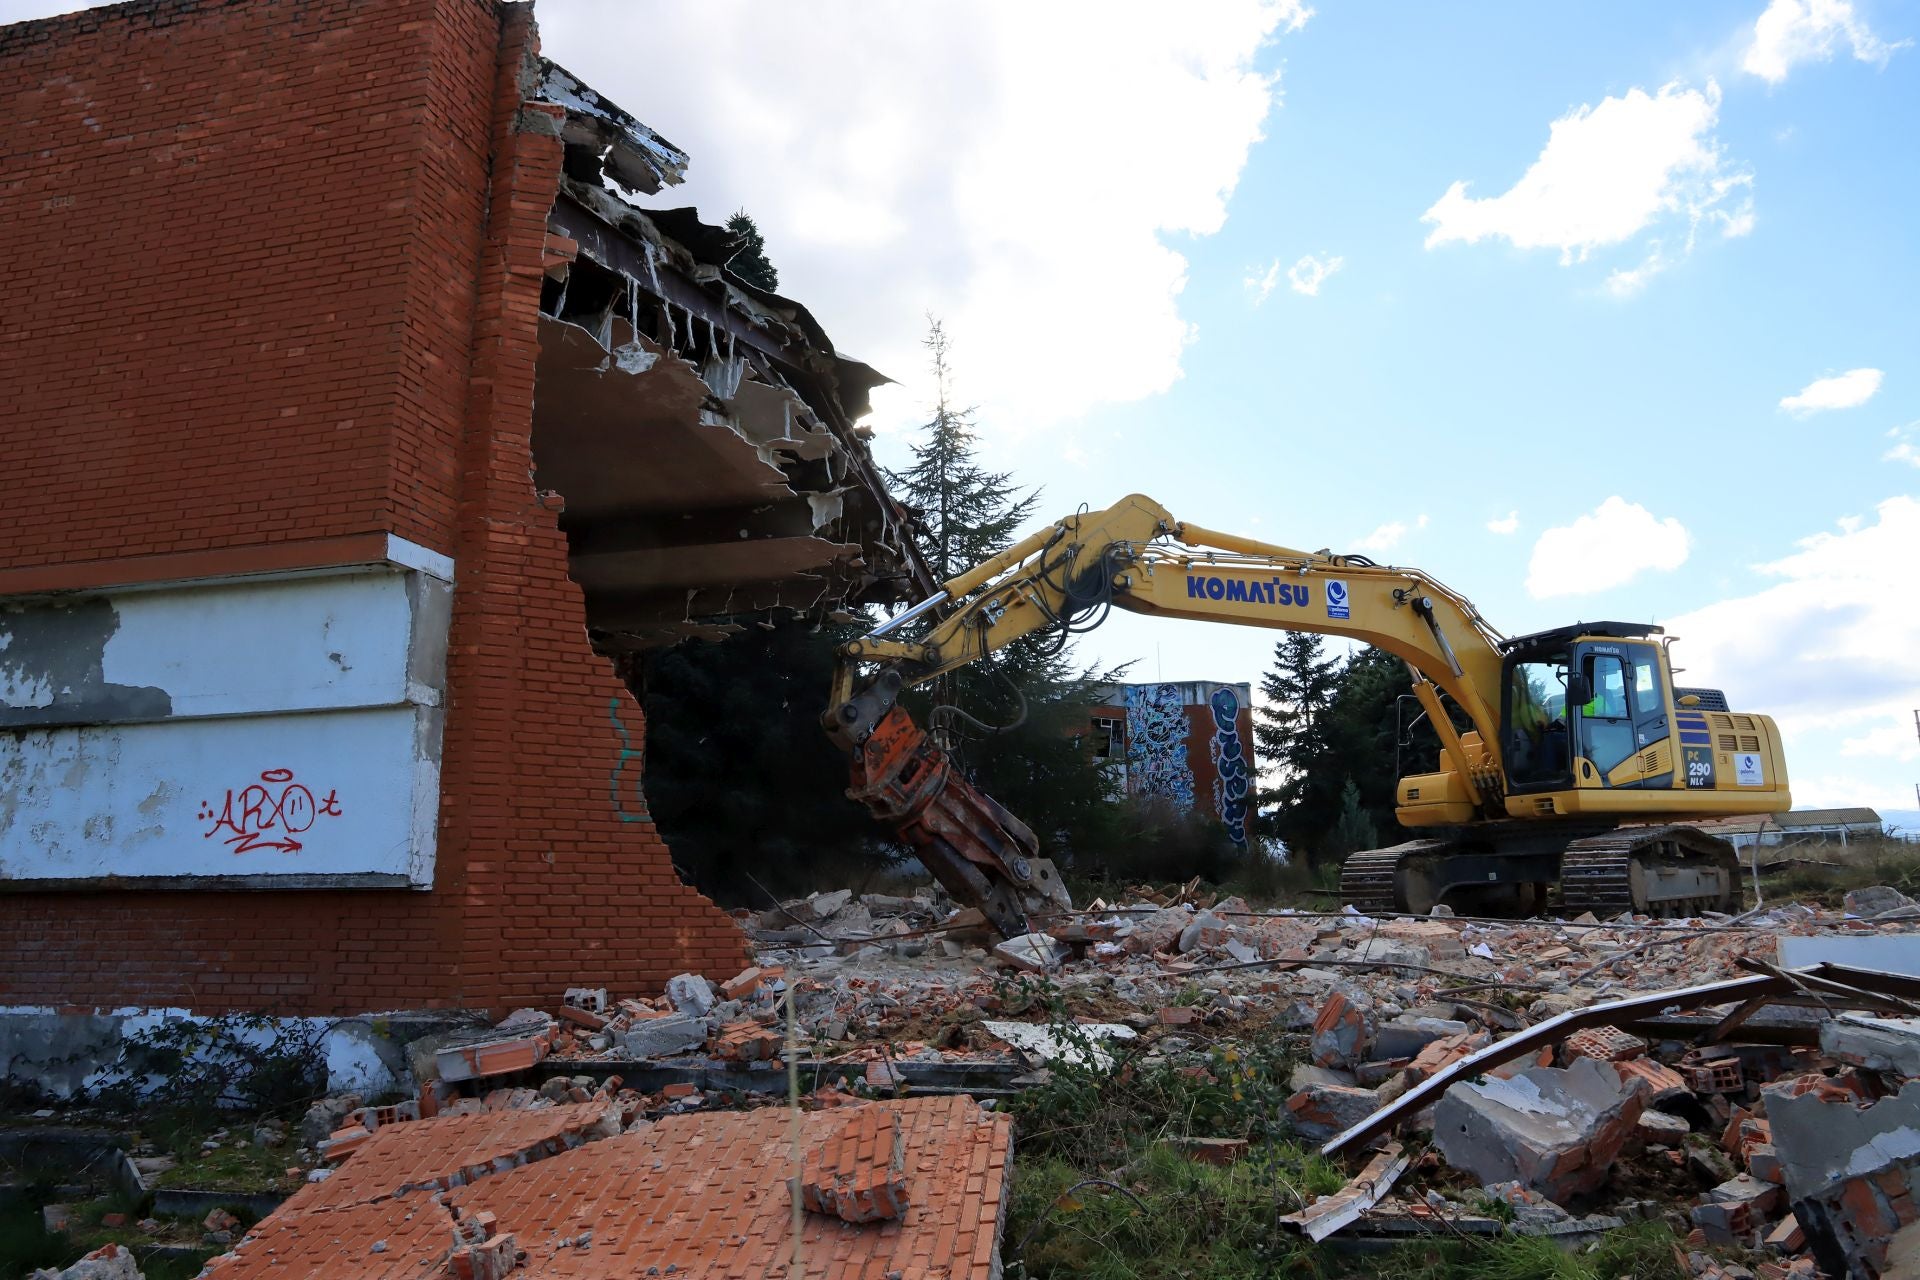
(1587, 707)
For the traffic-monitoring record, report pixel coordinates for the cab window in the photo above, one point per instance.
(1537, 721)
(1606, 728)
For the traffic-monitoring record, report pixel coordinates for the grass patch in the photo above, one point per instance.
(1177, 1217)
(1643, 1251)
(1828, 871)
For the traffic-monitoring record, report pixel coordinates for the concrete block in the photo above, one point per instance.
(1307, 1075)
(1875, 900)
(1034, 952)
(1388, 952)
(1657, 1127)
(1887, 952)
(826, 904)
(1557, 1131)
(691, 994)
(1158, 931)
(1320, 1111)
(1405, 1036)
(663, 1037)
(1879, 1044)
(1207, 930)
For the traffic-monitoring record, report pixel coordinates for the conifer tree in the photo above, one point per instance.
(750, 261)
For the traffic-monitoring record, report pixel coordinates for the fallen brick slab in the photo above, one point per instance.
(859, 1173)
(704, 1195)
(395, 1160)
(1851, 1164)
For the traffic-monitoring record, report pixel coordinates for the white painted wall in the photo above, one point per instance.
(279, 732)
(296, 645)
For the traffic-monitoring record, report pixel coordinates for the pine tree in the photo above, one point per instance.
(1354, 829)
(1290, 733)
(1014, 721)
(749, 261)
(970, 513)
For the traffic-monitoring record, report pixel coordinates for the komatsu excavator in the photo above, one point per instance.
(1581, 762)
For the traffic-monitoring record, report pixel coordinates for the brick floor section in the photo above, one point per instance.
(452, 1151)
(704, 1194)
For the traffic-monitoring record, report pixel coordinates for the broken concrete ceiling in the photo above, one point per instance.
(700, 431)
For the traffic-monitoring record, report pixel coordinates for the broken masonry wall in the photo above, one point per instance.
(210, 215)
(574, 878)
(251, 234)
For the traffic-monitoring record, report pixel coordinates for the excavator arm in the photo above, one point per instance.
(1134, 556)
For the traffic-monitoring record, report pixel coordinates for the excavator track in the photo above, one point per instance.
(1369, 881)
(1658, 871)
(1648, 870)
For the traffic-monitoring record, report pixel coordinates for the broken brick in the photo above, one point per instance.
(859, 1173)
(1608, 1044)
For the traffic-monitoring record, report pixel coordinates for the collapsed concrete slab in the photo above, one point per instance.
(1852, 1166)
(1555, 1130)
(1879, 1044)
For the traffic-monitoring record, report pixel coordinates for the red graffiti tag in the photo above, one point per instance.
(259, 817)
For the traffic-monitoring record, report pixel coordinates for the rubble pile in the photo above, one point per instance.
(1786, 1125)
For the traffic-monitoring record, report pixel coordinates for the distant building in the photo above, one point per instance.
(1800, 826)
(1189, 743)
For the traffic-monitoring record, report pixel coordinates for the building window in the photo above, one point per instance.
(1108, 738)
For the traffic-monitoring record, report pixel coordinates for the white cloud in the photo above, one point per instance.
(1847, 390)
(1609, 173)
(1827, 649)
(1510, 523)
(1608, 547)
(1795, 31)
(1906, 445)
(1387, 536)
(1260, 284)
(1019, 171)
(1307, 275)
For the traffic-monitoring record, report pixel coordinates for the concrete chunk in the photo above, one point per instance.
(691, 994)
(1876, 900)
(1879, 1044)
(663, 1037)
(1034, 952)
(1320, 1111)
(1207, 930)
(1558, 1131)
(1158, 931)
(1405, 1036)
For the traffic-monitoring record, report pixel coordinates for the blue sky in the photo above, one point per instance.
(1461, 383)
(1674, 219)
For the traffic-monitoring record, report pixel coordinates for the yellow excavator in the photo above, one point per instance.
(1580, 762)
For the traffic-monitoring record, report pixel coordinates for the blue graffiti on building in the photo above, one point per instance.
(1157, 744)
(1233, 785)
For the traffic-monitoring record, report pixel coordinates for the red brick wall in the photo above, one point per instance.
(283, 267)
(205, 220)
